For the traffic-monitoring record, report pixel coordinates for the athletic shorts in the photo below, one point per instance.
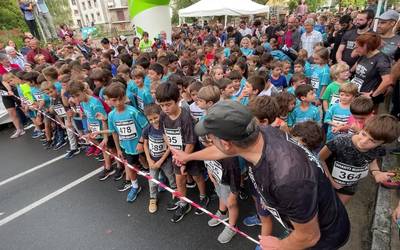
(194, 168)
(131, 159)
(10, 101)
(223, 191)
(347, 190)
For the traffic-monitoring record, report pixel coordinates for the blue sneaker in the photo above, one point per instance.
(252, 221)
(133, 193)
(258, 247)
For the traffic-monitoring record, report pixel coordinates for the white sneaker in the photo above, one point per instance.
(226, 235)
(214, 222)
(17, 134)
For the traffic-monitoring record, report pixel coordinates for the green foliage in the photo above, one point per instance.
(11, 16)
(60, 11)
(177, 5)
(292, 5)
(354, 3)
(313, 5)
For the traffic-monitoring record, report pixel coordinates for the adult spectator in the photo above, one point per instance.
(372, 75)
(83, 48)
(25, 49)
(259, 28)
(5, 64)
(45, 19)
(310, 37)
(15, 57)
(386, 25)
(291, 37)
(145, 44)
(36, 50)
(64, 30)
(288, 180)
(27, 10)
(302, 8)
(348, 43)
(272, 28)
(232, 33)
(336, 38)
(244, 30)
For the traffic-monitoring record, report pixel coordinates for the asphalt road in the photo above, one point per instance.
(84, 213)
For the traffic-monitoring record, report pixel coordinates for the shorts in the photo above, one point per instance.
(193, 168)
(223, 191)
(378, 99)
(10, 101)
(347, 190)
(131, 159)
(110, 142)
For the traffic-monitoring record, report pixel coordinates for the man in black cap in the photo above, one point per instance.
(288, 179)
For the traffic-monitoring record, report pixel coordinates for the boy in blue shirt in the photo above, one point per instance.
(338, 114)
(276, 77)
(126, 124)
(305, 111)
(142, 95)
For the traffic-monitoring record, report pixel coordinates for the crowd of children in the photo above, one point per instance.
(140, 105)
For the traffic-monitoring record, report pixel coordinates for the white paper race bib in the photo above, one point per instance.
(215, 168)
(174, 137)
(334, 99)
(126, 130)
(315, 82)
(38, 97)
(94, 127)
(140, 103)
(357, 81)
(157, 147)
(60, 110)
(345, 174)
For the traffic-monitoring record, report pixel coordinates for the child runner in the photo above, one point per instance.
(320, 74)
(340, 74)
(305, 110)
(226, 88)
(361, 109)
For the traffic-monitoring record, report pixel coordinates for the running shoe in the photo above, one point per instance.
(119, 173)
(125, 186)
(226, 235)
(258, 247)
(181, 212)
(17, 133)
(49, 144)
(59, 145)
(173, 204)
(395, 151)
(252, 221)
(133, 193)
(37, 134)
(97, 152)
(106, 173)
(191, 184)
(203, 203)
(214, 222)
(90, 151)
(72, 153)
(152, 206)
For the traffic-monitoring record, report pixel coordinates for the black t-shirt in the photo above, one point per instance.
(225, 171)
(157, 146)
(369, 71)
(293, 187)
(58, 107)
(346, 163)
(349, 41)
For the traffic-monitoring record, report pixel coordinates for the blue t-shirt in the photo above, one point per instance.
(157, 145)
(298, 115)
(247, 51)
(320, 76)
(58, 86)
(267, 47)
(280, 56)
(129, 125)
(279, 83)
(239, 92)
(143, 98)
(288, 78)
(39, 95)
(91, 108)
(147, 82)
(227, 52)
(114, 70)
(307, 69)
(336, 114)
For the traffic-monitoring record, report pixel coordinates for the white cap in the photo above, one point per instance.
(9, 49)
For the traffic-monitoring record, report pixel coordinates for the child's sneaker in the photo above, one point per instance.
(133, 193)
(191, 184)
(252, 221)
(226, 235)
(173, 204)
(152, 206)
(125, 186)
(106, 173)
(181, 212)
(72, 153)
(60, 144)
(214, 222)
(17, 133)
(97, 152)
(119, 173)
(203, 203)
(90, 150)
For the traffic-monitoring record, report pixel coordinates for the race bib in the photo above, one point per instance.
(157, 147)
(334, 99)
(94, 127)
(215, 168)
(38, 97)
(340, 119)
(174, 137)
(315, 82)
(140, 103)
(357, 81)
(59, 109)
(345, 174)
(126, 130)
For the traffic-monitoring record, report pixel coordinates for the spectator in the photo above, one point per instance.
(64, 30)
(6, 66)
(336, 37)
(348, 43)
(291, 37)
(310, 37)
(25, 49)
(27, 10)
(272, 28)
(45, 19)
(244, 30)
(83, 48)
(386, 25)
(15, 57)
(35, 49)
(232, 33)
(302, 8)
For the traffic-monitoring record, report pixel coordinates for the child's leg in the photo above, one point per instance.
(71, 135)
(266, 225)
(233, 209)
(47, 128)
(153, 186)
(201, 184)
(181, 183)
(168, 170)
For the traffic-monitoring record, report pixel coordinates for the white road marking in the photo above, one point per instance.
(1, 214)
(32, 170)
(49, 197)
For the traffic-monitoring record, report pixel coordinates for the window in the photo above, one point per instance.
(76, 12)
(98, 17)
(95, 3)
(83, 5)
(89, 4)
(120, 15)
(93, 17)
(73, 2)
(79, 23)
(87, 19)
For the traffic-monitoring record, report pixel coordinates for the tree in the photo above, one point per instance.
(314, 4)
(11, 16)
(177, 5)
(60, 11)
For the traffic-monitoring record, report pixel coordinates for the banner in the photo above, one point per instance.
(151, 16)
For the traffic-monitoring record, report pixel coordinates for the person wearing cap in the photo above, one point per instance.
(15, 57)
(386, 25)
(288, 179)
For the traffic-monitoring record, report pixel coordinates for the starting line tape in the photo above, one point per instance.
(149, 178)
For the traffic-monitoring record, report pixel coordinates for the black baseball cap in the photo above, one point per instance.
(226, 120)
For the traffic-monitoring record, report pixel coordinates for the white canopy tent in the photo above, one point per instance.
(223, 8)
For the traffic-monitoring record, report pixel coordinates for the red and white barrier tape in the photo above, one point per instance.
(148, 177)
